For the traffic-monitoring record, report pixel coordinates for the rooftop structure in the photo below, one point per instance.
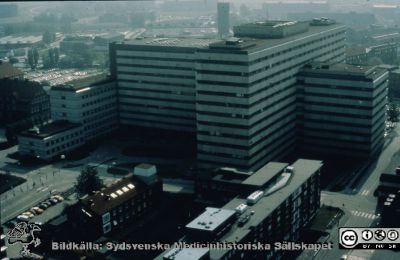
(271, 29)
(265, 174)
(112, 196)
(211, 219)
(265, 36)
(187, 254)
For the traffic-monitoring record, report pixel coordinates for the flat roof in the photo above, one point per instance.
(21, 39)
(265, 174)
(186, 253)
(49, 129)
(369, 72)
(255, 44)
(210, 219)
(85, 82)
(303, 170)
(172, 42)
(248, 44)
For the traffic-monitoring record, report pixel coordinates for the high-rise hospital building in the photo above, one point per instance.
(238, 95)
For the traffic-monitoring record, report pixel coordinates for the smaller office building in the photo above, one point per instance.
(51, 140)
(91, 102)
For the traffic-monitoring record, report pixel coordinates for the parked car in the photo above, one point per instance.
(29, 214)
(23, 217)
(58, 197)
(37, 210)
(43, 206)
(54, 200)
(46, 203)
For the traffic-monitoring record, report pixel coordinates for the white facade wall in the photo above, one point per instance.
(95, 107)
(55, 145)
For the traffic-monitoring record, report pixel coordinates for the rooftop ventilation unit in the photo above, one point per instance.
(289, 169)
(254, 197)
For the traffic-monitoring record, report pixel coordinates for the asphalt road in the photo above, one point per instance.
(359, 205)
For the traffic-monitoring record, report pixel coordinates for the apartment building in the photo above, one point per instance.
(240, 94)
(278, 211)
(343, 109)
(91, 102)
(118, 205)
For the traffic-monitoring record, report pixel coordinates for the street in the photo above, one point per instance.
(359, 204)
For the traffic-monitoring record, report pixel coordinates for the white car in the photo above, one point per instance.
(23, 217)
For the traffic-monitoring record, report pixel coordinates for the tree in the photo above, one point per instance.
(48, 37)
(31, 60)
(88, 182)
(393, 113)
(56, 55)
(35, 57)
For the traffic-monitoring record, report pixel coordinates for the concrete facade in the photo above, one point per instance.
(240, 94)
(91, 102)
(343, 109)
(51, 140)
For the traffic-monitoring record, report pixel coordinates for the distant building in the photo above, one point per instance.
(51, 140)
(101, 42)
(223, 18)
(343, 109)
(22, 100)
(278, 211)
(118, 205)
(357, 55)
(384, 53)
(20, 41)
(90, 101)
(76, 44)
(237, 94)
(8, 71)
(81, 110)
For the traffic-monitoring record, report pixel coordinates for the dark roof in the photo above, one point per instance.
(22, 90)
(112, 196)
(77, 84)
(7, 70)
(49, 129)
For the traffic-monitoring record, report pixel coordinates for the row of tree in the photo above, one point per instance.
(50, 60)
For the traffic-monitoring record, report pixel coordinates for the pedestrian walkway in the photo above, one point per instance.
(363, 214)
